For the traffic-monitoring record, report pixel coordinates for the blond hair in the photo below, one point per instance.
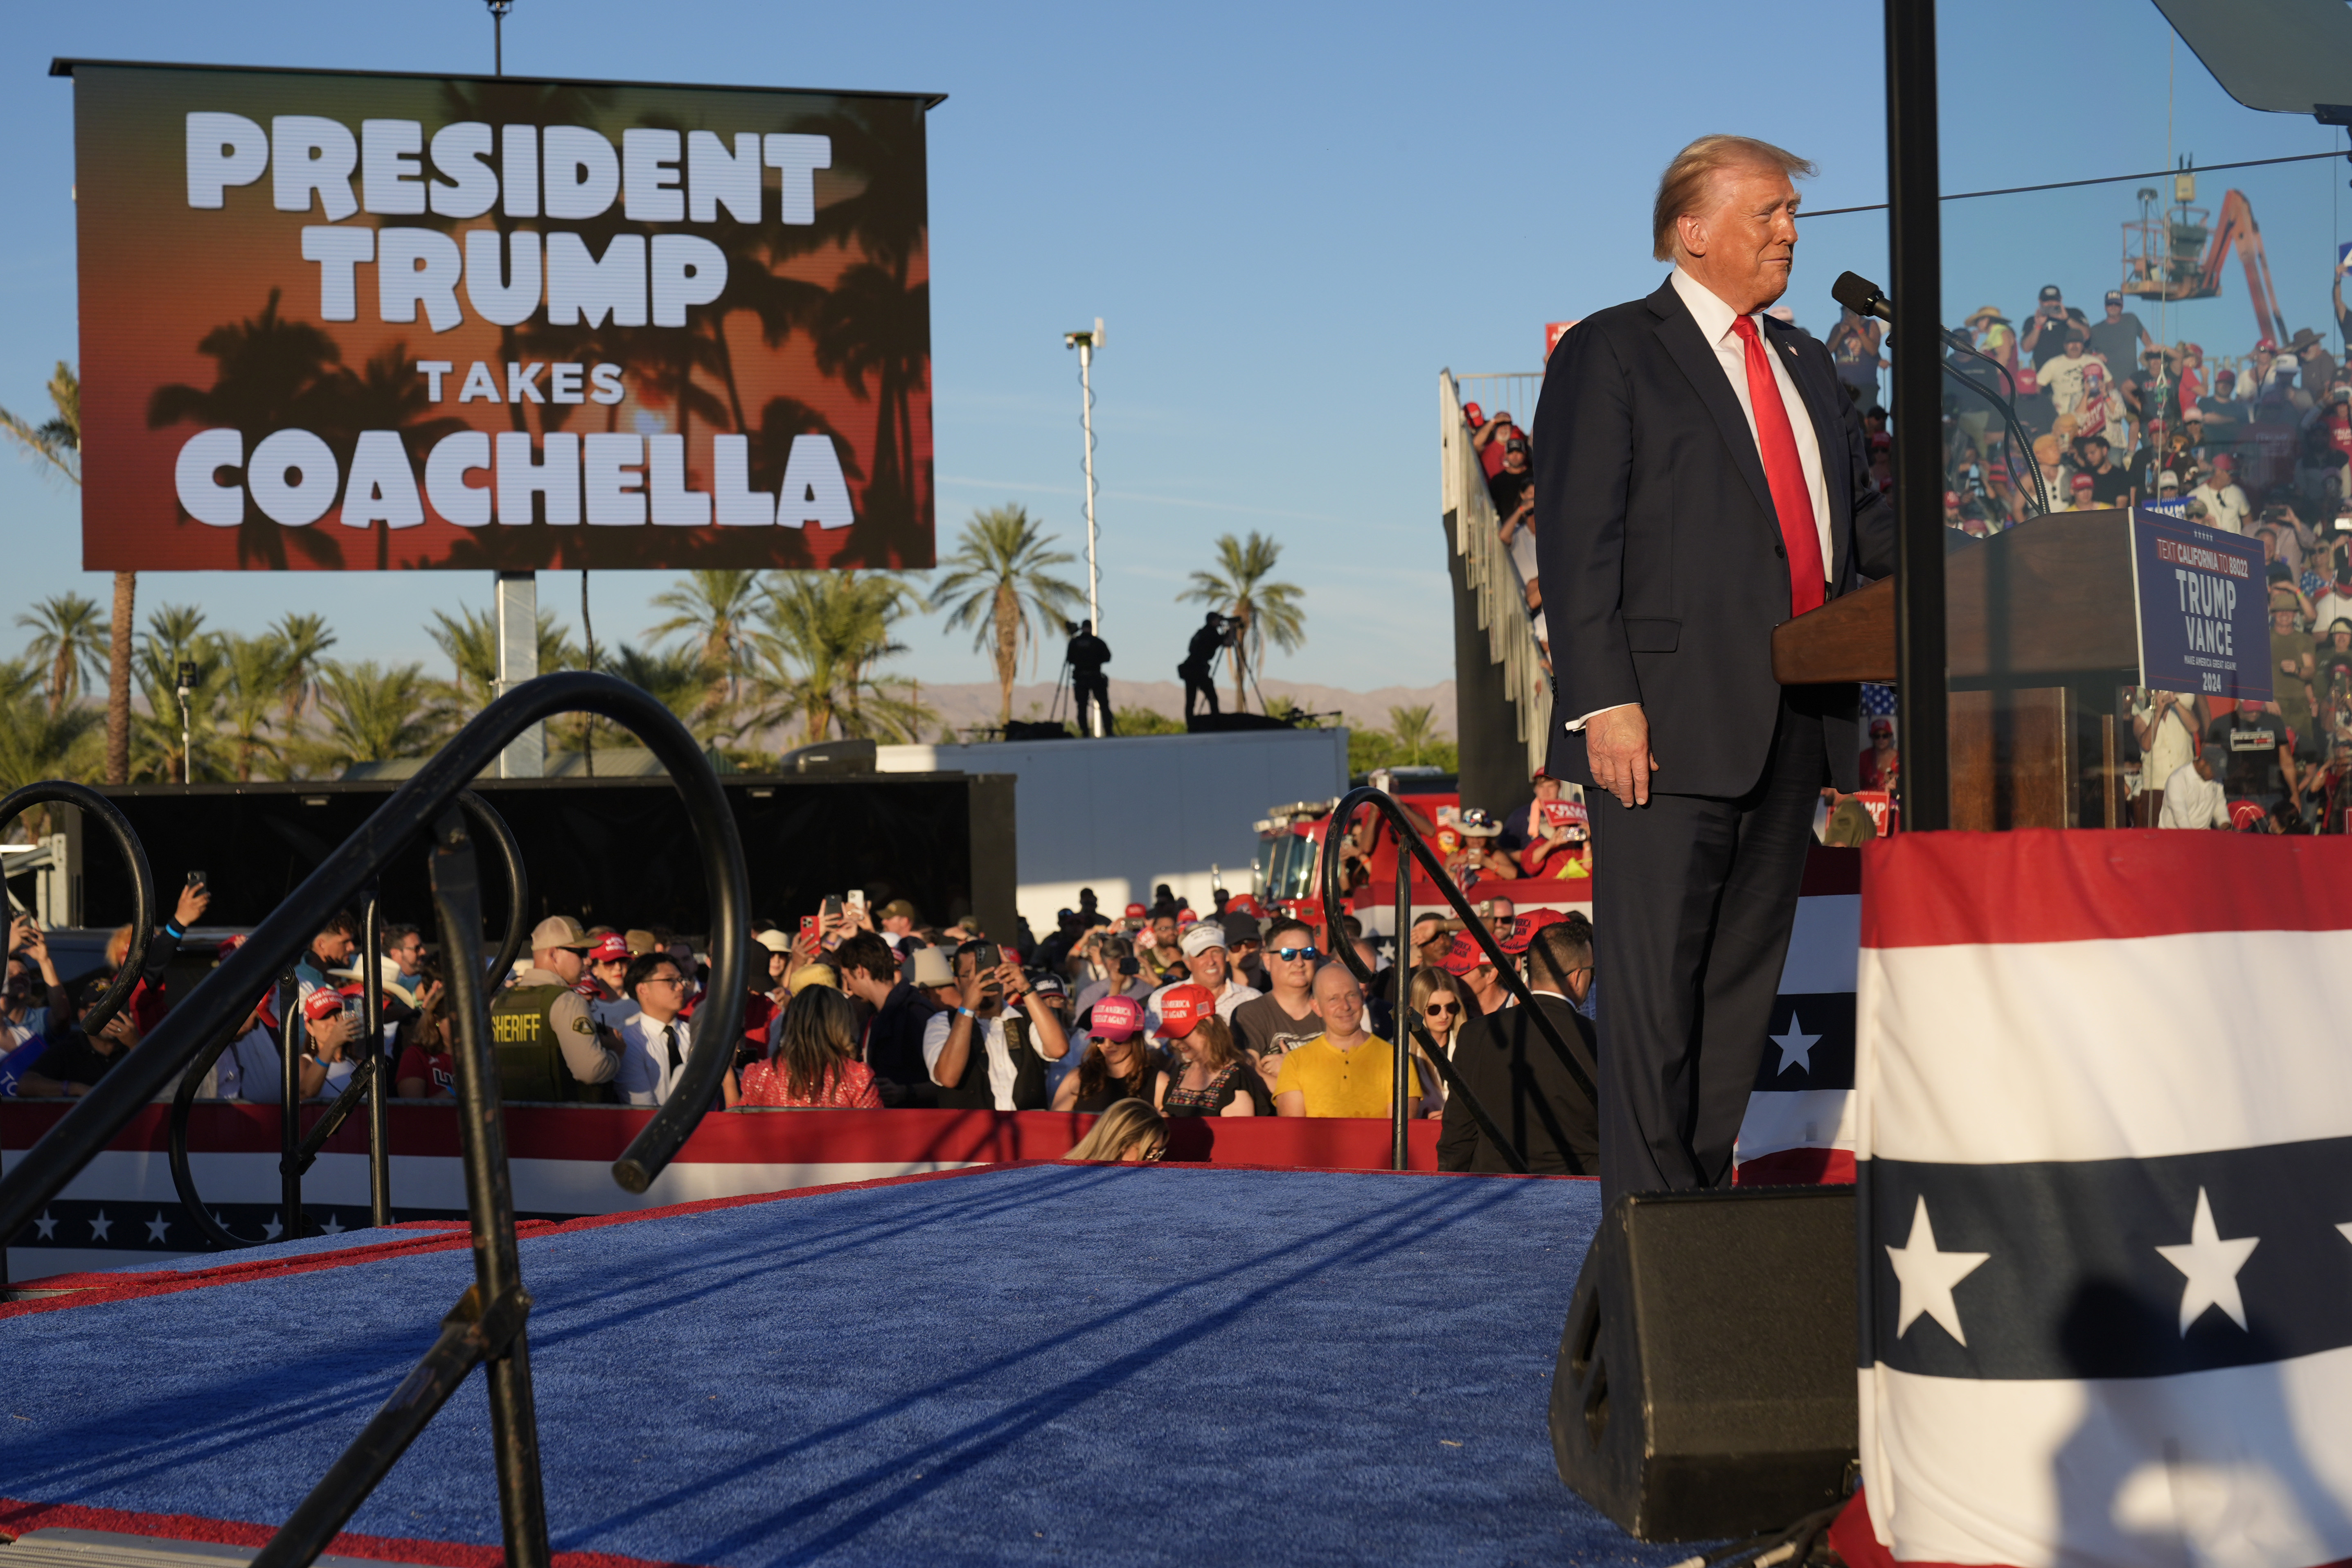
(1683, 188)
(1129, 1123)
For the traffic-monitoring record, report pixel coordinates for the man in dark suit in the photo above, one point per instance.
(1503, 1060)
(1699, 478)
(894, 1034)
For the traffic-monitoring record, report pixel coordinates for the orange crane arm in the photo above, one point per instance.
(2238, 228)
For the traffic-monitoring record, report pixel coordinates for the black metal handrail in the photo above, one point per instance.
(144, 901)
(1335, 905)
(488, 1323)
(299, 1154)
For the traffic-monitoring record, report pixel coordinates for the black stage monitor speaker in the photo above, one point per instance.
(1705, 1384)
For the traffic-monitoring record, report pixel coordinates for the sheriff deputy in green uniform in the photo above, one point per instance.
(549, 1047)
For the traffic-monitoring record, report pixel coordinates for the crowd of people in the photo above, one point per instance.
(1153, 1015)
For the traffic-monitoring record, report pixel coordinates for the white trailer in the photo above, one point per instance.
(1122, 816)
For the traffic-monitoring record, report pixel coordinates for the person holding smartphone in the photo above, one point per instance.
(990, 1052)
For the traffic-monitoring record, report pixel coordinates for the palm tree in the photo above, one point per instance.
(1416, 730)
(998, 578)
(676, 678)
(65, 630)
(821, 634)
(715, 608)
(255, 669)
(470, 640)
(371, 714)
(176, 636)
(1239, 588)
(56, 441)
(303, 640)
(36, 742)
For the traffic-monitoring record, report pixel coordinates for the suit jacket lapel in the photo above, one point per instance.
(1679, 331)
(1825, 404)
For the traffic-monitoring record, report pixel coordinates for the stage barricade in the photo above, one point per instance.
(2104, 1135)
(561, 1158)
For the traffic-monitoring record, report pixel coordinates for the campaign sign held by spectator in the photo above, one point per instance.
(2204, 609)
(366, 322)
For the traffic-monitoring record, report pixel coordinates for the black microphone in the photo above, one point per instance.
(1861, 296)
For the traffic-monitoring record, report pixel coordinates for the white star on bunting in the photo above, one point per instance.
(1928, 1277)
(100, 1226)
(157, 1227)
(273, 1230)
(2211, 1266)
(331, 1228)
(1796, 1046)
(46, 1227)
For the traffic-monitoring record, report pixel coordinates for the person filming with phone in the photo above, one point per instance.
(990, 1052)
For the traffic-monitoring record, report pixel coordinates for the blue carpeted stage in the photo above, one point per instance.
(1030, 1364)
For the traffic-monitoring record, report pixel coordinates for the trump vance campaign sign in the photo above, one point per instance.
(2204, 608)
(372, 322)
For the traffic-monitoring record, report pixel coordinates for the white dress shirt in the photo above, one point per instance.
(647, 1077)
(987, 1035)
(1715, 324)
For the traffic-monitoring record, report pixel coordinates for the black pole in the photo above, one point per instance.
(1913, 243)
(379, 1117)
(290, 1040)
(489, 1191)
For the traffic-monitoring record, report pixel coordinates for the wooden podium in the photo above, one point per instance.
(2042, 639)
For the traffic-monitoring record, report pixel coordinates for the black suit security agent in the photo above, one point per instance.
(1087, 654)
(1700, 478)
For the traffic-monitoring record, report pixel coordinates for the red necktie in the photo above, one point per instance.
(1792, 499)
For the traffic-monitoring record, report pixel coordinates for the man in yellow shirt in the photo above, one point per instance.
(1346, 1070)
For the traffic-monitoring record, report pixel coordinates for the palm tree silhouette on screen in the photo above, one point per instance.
(1000, 583)
(1238, 587)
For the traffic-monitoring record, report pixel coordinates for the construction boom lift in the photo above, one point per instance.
(2176, 255)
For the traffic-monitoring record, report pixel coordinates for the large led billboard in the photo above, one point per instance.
(374, 321)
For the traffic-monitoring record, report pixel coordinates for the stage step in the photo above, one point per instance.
(112, 1549)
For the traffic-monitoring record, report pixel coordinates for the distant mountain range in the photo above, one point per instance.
(968, 705)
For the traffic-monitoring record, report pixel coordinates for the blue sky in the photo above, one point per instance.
(1291, 217)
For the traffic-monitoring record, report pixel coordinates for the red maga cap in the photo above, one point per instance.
(1184, 1007)
(1462, 956)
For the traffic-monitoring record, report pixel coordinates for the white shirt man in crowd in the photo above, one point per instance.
(1204, 947)
(978, 1022)
(2226, 506)
(655, 1040)
(2193, 797)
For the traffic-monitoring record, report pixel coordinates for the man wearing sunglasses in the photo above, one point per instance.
(653, 1039)
(1285, 1016)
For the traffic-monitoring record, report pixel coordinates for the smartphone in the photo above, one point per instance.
(196, 878)
(808, 925)
(989, 957)
(831, 907)
(857, 899)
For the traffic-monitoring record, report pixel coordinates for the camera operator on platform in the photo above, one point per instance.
(1215, 633)
(1700, 477)
(1086, 655)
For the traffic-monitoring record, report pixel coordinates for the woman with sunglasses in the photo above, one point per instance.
(1439, 1009)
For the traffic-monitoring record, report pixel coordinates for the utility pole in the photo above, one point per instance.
(1085, 343)
(517, 612)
